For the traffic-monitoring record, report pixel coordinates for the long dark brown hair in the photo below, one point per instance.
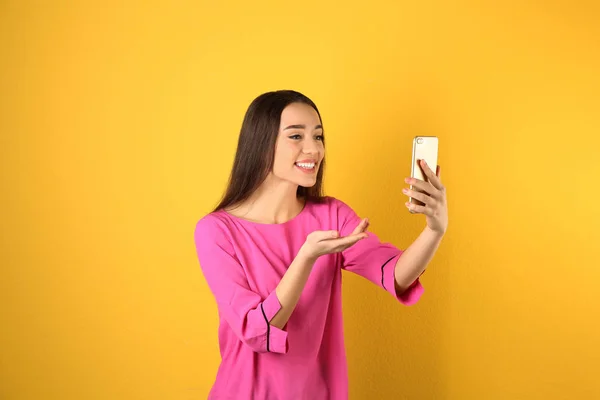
(255, 154)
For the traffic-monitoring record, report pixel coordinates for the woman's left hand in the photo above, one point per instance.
(435, 206)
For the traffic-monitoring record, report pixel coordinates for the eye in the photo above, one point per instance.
(320, 137)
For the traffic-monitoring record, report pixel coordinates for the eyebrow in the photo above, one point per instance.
(302, 127)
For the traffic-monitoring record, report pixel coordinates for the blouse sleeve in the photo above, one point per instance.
(374, 260)
(246, 312)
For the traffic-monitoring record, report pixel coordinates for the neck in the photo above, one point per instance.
(273, 202)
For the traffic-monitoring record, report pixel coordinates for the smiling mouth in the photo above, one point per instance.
(306, 167)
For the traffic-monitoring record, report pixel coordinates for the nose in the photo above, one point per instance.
(311, 147)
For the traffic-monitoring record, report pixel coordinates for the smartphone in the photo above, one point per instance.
(424, 148)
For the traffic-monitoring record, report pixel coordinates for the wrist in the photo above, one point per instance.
(306, 256)
(433, 233)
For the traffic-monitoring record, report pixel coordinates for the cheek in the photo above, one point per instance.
(292, 146)
(285, 155)
(289, 152)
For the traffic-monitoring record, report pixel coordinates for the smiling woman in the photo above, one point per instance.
(272, 253)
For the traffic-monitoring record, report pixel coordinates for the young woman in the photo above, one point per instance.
(273, 250)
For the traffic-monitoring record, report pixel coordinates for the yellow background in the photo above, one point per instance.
(118, 130)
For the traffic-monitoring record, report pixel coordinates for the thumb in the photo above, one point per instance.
(317, 236)
(329, 235)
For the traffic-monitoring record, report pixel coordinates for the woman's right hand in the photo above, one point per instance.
(319, 243)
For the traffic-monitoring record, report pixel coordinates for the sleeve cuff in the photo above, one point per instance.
(278, 342)
(271, 305)
(277, 338)
(411, 295)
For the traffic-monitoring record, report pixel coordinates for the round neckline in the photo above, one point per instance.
(297, 216)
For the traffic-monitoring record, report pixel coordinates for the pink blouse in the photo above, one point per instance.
(243, 261)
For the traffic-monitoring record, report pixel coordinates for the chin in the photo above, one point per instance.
(307, 185)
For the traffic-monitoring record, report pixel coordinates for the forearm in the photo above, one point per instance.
(290, 288)
(414, 259)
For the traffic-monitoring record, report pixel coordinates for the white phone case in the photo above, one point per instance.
(424, 148)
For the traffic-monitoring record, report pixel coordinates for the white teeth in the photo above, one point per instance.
(307, 166)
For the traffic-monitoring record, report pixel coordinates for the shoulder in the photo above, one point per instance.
(328, 202)
(335, 210)
(337, 205)
(212, 227)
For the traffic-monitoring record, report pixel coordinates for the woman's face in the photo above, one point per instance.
(299, 148)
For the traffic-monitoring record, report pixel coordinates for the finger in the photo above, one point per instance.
(353, 240)
(367, 224)
(346, 241)
(422, 186)
(432, 178)
(438, 172)
(326, 235)
(361, 226)
(417, 209)
(417, 195)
